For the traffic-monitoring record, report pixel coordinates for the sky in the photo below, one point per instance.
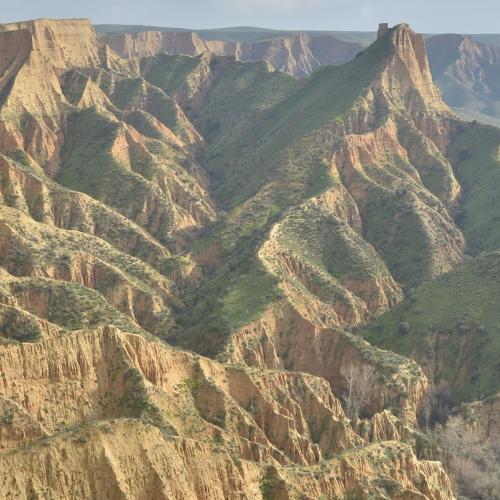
(429, 16)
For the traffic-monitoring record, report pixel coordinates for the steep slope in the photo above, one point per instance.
(298, 54)
(453, 324)
(474, 151)
(452, 328)
(354, 159)
(66, 42)
(147, 402)
(241, 213)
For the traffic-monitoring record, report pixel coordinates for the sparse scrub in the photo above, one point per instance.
(472, 459)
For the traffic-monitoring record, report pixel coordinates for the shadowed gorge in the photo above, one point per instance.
(200, 254)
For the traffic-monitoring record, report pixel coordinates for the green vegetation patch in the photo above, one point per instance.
(18, 325)
(169, 72)
(89, 166)
(475, 154)
(452, 323)
(232, 297)
(72, 306)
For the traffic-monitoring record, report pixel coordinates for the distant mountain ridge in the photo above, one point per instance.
(468, 73)
(256, 34)
(298, 54)
(240, 33)
(464, 67)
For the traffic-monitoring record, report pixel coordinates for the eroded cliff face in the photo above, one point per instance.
(286, 339)
(211, 202)
(62, 81)
(152, 43)
(33, 99)
(297, 55)
(88, 390)
(484, 416)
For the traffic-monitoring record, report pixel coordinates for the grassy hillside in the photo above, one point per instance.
(263, 157)
(454, 327)
(475, 155)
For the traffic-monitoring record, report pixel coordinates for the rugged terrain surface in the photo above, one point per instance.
(464, 67)
(260, 222)
(298, 54)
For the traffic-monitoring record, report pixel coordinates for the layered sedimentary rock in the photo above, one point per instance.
(88, 390)
(233, 210)
(298, 54)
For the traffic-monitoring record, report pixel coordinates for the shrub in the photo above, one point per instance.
(404, 328)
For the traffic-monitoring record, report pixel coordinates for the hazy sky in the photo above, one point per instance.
(471, 16)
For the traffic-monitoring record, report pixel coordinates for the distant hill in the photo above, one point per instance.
(297, 54)
(255, 34)
(247, 34)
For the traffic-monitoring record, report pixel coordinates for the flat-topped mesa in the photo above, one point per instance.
(62, 43)
(298, 54)
(43, 50)
(33, 57)
(151, 43)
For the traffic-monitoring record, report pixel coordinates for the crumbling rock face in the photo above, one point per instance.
(484, 416)
(128, 459)
(284, 407)
(18, 426)
(118, 449)
(108, 174)
(34, 101)
(286, 340)
(152, 43)
(66, 42)
(84, 388)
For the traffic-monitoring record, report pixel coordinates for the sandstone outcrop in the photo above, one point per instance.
(87, 390)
